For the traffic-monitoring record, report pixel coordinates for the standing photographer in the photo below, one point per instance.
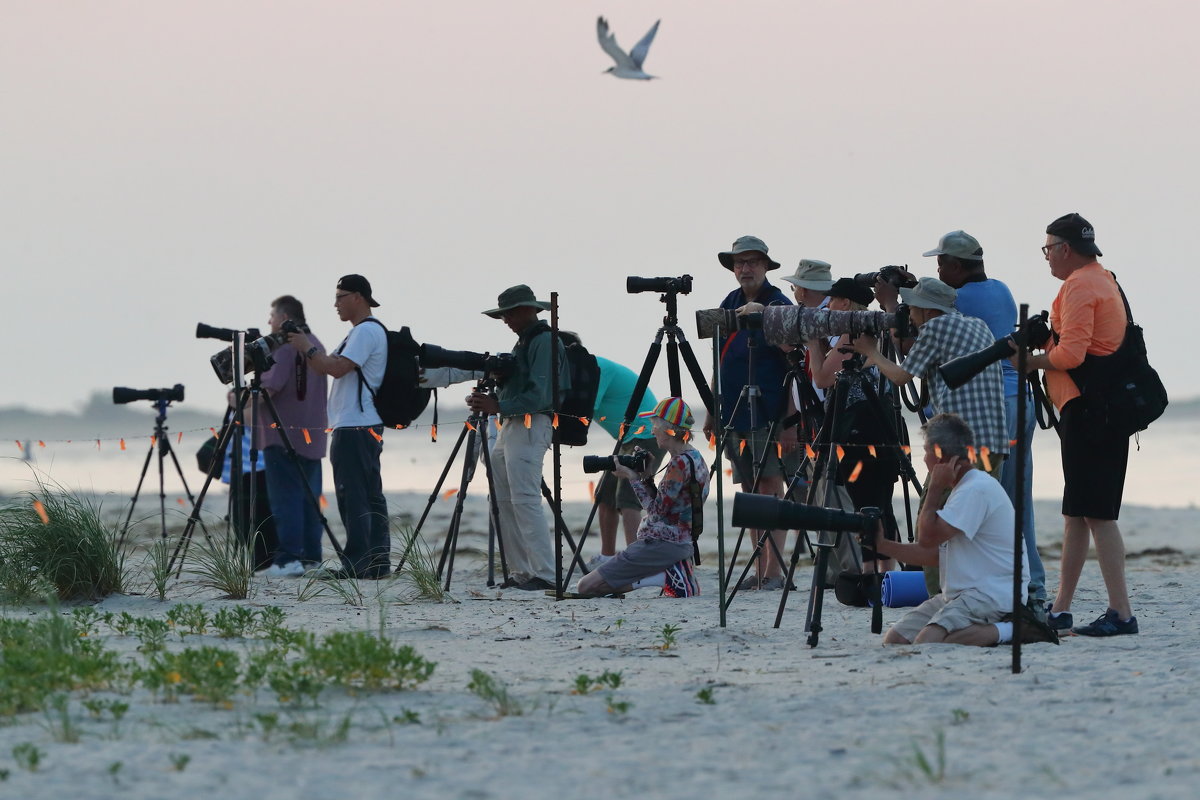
(748, 361)
(662, 554)
(960, 265)
(525, 403)
(298, 394)
(1088, 319)
(357, 367)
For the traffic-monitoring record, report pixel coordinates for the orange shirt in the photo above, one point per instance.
(1089, 318)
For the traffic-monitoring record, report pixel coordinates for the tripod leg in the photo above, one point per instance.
(575, 557)
(433, 496)
(136, 492)
(185, 538)
(689, 359)
(494, 507)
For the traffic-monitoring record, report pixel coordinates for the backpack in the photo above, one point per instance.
(400, 398)
(579, 400)
(1121, 388)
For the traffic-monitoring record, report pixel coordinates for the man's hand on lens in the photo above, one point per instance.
(483, 403)
(887, 295)
(750, 308)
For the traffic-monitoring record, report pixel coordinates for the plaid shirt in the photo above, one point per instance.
(980, 401)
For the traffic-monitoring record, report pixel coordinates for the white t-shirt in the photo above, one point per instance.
(982, 557)
(366, 346)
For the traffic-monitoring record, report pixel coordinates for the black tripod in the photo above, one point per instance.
(677, 344)
(849, 379)
(234, 420)
(160, 443)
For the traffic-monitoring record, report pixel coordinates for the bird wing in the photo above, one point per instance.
(608, 43)
(638, 53)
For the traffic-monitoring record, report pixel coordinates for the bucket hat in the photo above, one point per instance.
(514, 297)
(745, 244)
(930, 293)
(812, 274)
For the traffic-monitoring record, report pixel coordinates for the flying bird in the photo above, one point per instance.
(628, 65)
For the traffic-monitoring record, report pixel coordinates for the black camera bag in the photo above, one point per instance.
(400, 398)
(1121, 389)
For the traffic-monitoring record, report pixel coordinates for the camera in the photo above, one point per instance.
(763, 512)
(501, 364)
(1034, 335)
(223, 334)
(122, 394)
(257, 353)
(680, 285)
(896, 276)
(637, 461)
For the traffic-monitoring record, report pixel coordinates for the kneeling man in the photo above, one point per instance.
(969, 537)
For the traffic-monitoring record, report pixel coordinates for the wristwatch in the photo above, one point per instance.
(312, 351)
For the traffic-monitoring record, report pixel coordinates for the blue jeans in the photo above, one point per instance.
(1008, 479)
(296, 518)
(354, 455)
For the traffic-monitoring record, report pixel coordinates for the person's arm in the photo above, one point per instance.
(333, 366)
(907, 552)
(932, 530)
(535, 395)
(867, 346)
(826, 366)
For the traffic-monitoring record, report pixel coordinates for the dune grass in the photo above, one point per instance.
(53, 541)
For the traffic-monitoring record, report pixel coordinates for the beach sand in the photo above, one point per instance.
(847, 718)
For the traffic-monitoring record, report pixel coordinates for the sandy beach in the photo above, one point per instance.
(747, 710)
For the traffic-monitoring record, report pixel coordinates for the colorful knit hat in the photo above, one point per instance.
(674, 411)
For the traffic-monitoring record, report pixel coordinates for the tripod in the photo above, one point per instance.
(234, 419)
(849, 379)
(162, 444)
(677, 344)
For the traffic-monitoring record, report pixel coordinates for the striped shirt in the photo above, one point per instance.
(980, 401)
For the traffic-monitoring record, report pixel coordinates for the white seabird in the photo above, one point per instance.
(628, 66)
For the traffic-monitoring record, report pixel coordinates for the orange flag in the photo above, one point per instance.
(307, 436)
(123, 443)
(554, 422)
(984, 454)
(446, 495)
(808, 451)
(854, 473)
(528, 420)
(378, 438)
(41, 511)
(871, 450)
(841, 452)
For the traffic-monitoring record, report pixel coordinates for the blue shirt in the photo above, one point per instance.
(617, 383)
(767, 372)
(992, 302)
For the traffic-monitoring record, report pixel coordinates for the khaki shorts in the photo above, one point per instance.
(742, 458)
(970, 607)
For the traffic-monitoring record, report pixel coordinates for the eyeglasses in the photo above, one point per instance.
(748, 262)
(337, 298)
(1047, 248)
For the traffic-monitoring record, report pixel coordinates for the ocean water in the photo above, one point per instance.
(1164, 466)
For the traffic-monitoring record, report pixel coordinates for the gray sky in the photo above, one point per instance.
(168, 163)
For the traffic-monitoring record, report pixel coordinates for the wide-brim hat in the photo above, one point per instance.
(515, 297)
(1077, 232)
(674, 411)
(930, 293)
(958, 244)
(812, 274)
(852, 290)
(745, 244)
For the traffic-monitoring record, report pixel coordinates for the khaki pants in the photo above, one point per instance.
(517, 471)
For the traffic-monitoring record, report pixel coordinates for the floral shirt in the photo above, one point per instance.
(669, 513)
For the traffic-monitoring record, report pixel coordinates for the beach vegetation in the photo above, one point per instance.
(360, 660)
(419, 577)
(58, 721)
(586, 684)
(188, 618)
(28, 756)
(705, 696)
(224, 564)
(615, 706)
(495, 693)
(179, 761)
(667, 636)
(235, 622)
(926, 766)
(52, 541)
(47, 655)
(158, 563)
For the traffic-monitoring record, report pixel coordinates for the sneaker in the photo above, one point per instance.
(1108, 624)
(1062, 622)
(749, 584)
(534, 585)
(292, 569)
(330, 574)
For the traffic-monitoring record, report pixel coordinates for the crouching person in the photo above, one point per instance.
(969, 537)
(662, 554)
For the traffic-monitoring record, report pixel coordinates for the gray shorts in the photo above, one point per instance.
(643, 558)
(742, 458)
(611, 485)
(970, 607)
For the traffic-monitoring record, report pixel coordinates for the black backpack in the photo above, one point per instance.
(1122, 389)
(400, 398)
(580, 399)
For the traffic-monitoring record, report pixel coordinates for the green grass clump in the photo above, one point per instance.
(361, 660)
(420, 575)
(48, 655)
(224, 564)
(494, 692)
(71, 552)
